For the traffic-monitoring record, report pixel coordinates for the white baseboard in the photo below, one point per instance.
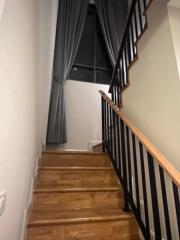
(23, 234)
(27, 210)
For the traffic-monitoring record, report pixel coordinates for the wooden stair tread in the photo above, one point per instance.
(50, 217)
(102, 230)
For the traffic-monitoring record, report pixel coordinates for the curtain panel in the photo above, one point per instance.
(112, 16)
(70, 24)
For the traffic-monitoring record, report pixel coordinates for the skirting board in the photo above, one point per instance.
(28, 210)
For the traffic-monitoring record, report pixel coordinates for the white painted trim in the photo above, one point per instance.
(23, 234)
(29, 204)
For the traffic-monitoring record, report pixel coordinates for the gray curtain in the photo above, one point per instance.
(70, 23)
(112, 16)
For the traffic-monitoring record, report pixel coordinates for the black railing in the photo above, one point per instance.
(151, 184)
(135, 27)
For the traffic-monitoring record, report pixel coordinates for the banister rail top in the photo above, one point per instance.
(158, 156)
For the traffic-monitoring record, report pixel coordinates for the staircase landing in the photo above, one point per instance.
(78, 197)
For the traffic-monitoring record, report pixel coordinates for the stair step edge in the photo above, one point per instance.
(50, 168)
(73, 152)
(51, 190)
(119, 217)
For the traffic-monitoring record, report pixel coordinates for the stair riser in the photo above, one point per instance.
(66, 160)
(114, 230)
(78, 200)
(76, 177)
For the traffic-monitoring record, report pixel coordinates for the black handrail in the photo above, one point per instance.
(129, 18)
(144, 179)
(136, 24)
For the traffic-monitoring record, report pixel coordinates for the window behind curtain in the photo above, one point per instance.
(92, 63)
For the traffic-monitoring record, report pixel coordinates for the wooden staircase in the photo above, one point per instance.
(78, 197)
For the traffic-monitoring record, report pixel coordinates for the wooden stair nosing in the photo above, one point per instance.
(75, 168)
(76, 189)
(117, 216)
(73, 152)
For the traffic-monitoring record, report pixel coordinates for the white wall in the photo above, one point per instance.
(46, 30)
(174, 3)
(152, 100)
(83, 114)
(174, 19)
(21, 124)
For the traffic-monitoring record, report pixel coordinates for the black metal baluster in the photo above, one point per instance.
(124, 166)
(115, 142)
(108, 129)
(115, 94)
(144, 2)
(119, 144)
(126, 50)
(114, 136)
(133, 42)
(136, 175)
(135, 24)
(140, 16)
(113, 139)
(129, 161)
(103, 123)
(111, 126)
(120, 73)
(154, 197)
(123, 70)
(126, 63)
(177, 205)
(112, 93)
(165, 204)
(117, 103)
(106, 138)
(119, 99)
(148, 237)
(129, 46)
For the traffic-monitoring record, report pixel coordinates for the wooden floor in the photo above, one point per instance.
(78, 197)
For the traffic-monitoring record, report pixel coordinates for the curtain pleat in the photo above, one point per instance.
(112, 16)
(70, 24)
